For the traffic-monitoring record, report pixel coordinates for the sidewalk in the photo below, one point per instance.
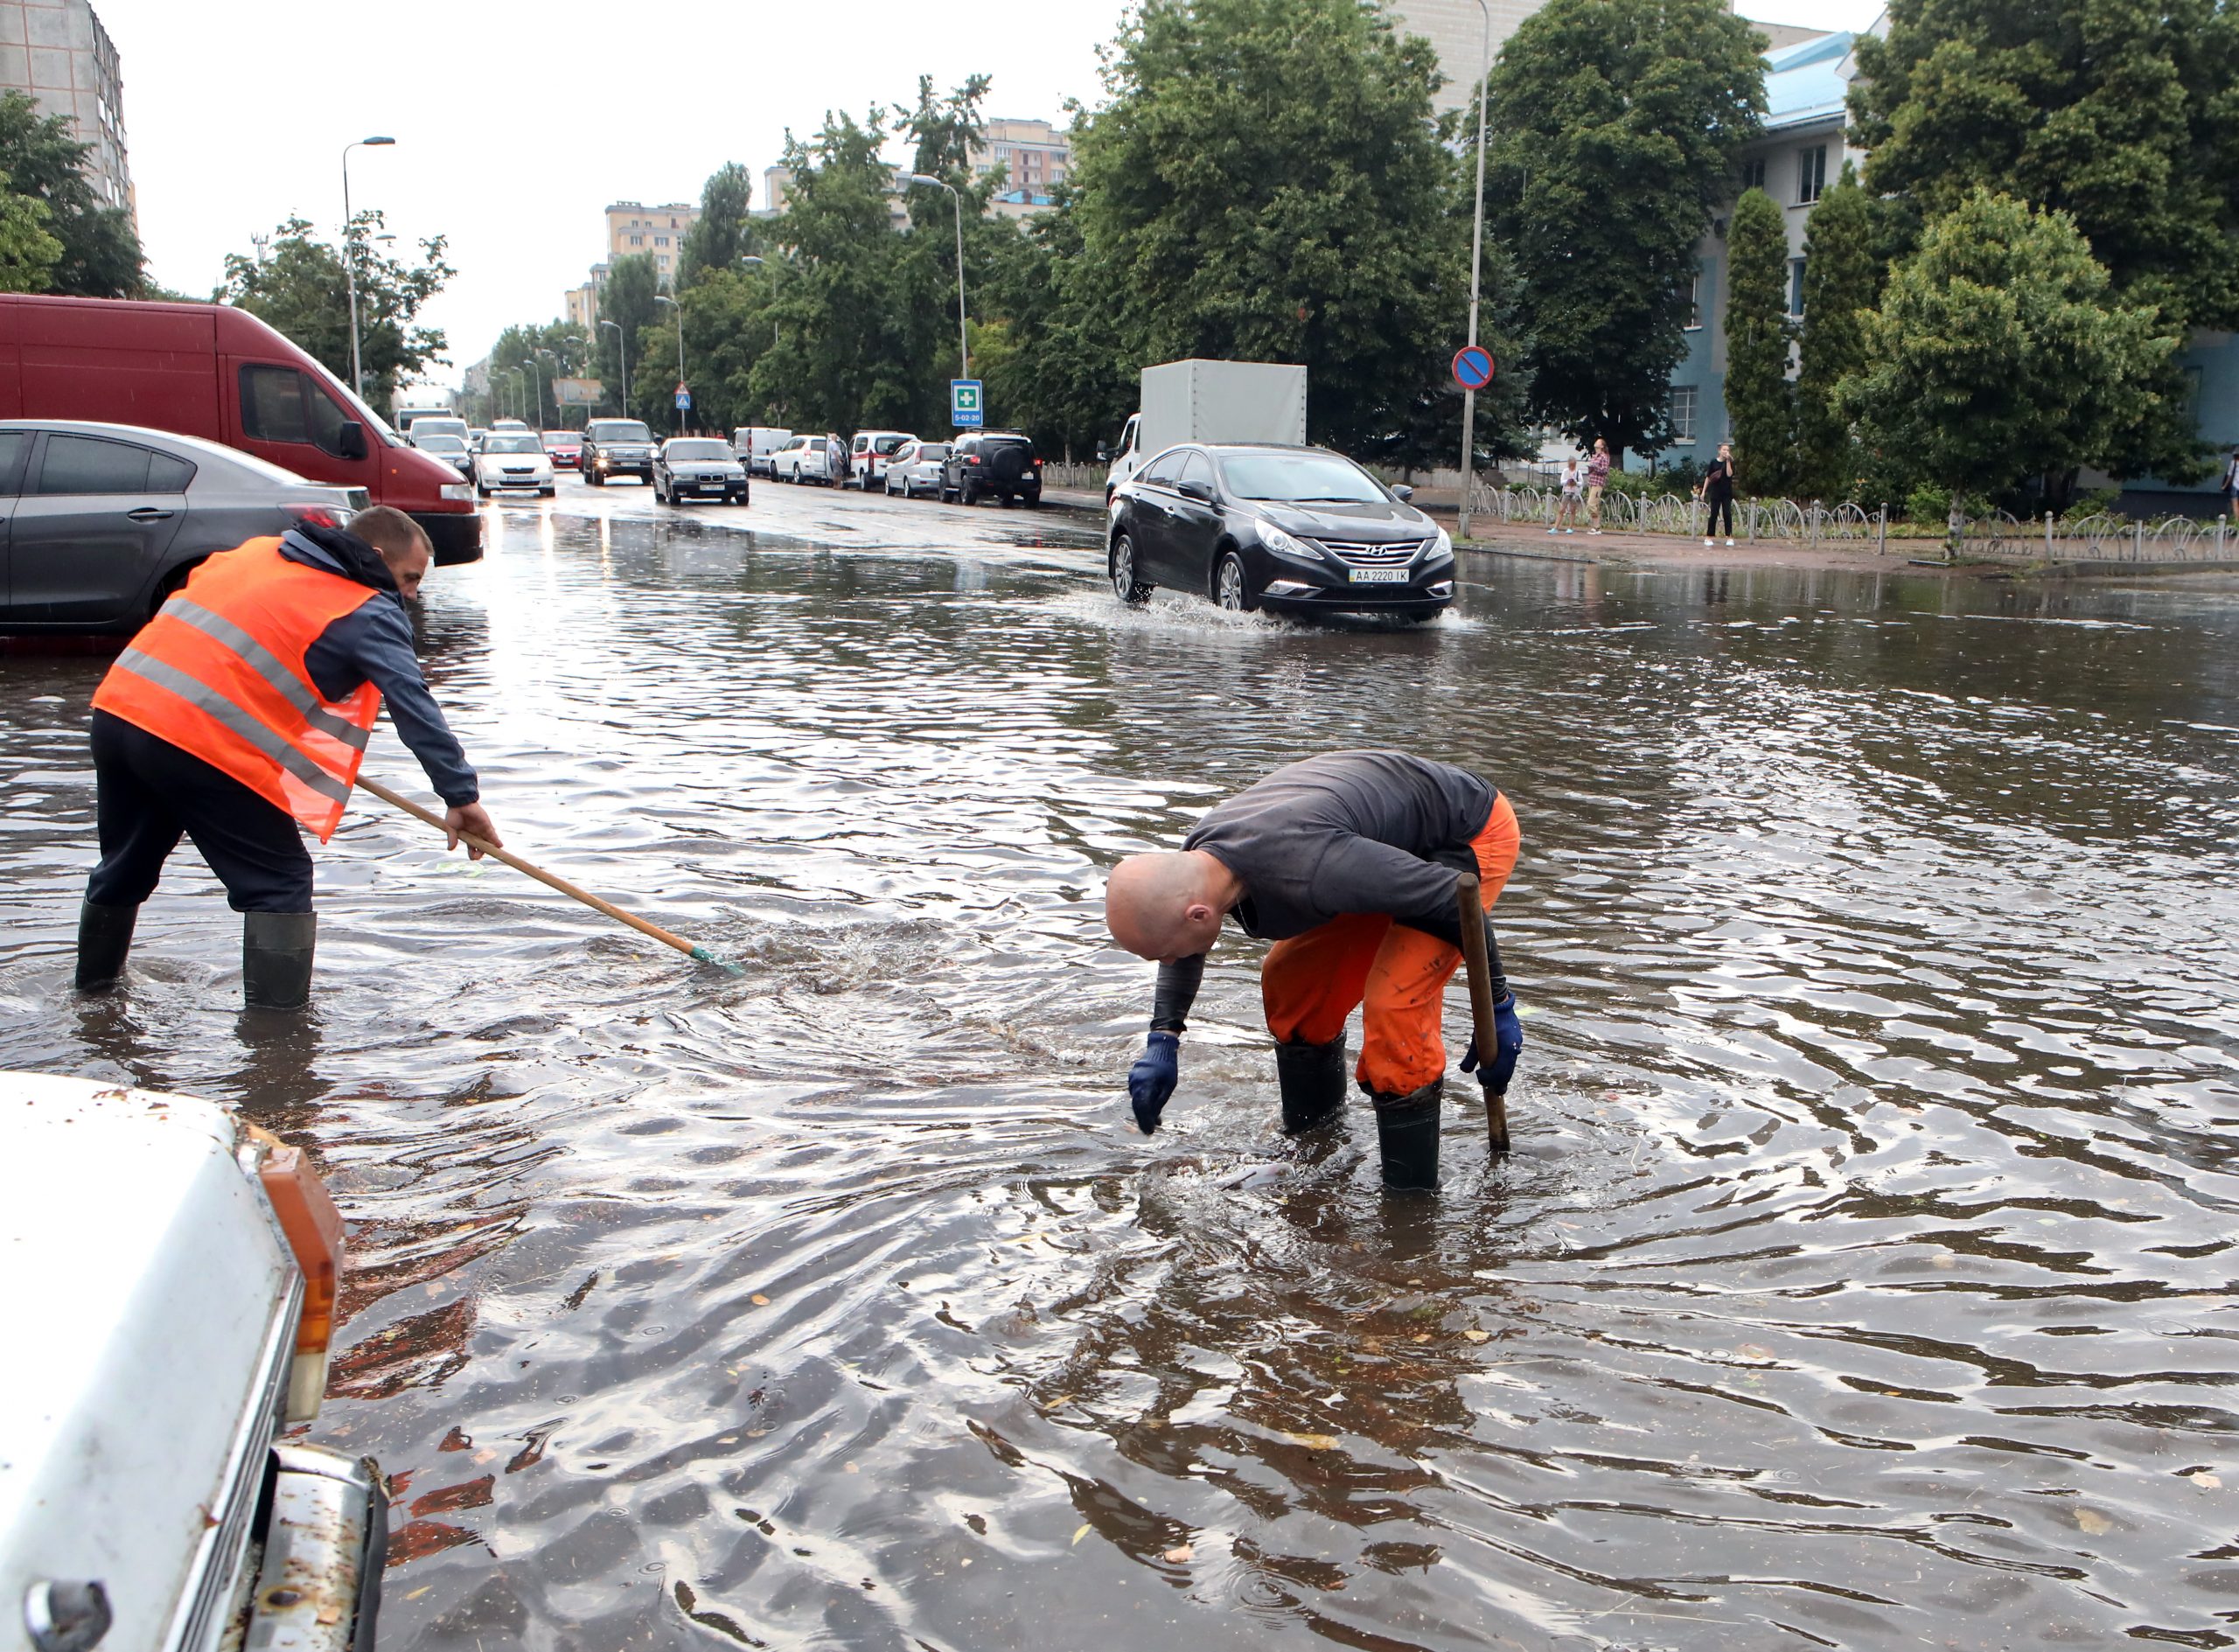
(1524, 539)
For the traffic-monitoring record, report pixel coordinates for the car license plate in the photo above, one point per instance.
(1379, 576)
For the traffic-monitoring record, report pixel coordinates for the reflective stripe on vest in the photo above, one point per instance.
(219, 673)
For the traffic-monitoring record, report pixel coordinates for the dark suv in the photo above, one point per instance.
(997, 462)
(618, 447)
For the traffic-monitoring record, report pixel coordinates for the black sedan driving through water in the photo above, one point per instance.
(1292, 529)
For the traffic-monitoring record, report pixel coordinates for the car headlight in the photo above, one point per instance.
(1443, 545)
(1285, 544)
(456, 490)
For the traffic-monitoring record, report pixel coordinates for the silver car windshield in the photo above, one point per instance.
(505, 444)
(698, 450)
(1298, 478)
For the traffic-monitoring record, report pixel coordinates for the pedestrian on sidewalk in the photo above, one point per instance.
(2231, 484)
(237, 717)
(1566, 506)
(1716, 488)
(1349, 863)
(1597, 478)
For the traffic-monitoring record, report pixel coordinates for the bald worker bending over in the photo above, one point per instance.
(1349, 863)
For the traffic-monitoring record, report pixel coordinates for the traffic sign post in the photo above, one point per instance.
(964, 404)
(683, 397)
(1473, 366)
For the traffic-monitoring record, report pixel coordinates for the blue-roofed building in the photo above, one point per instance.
(1795, 160)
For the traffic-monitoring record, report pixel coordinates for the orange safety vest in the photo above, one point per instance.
(219, 673)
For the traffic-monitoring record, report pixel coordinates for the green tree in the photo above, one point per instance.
(848, 331)
(1265, 181)
(527, 357)
(1841, 283)
(626, 299)
(724, 231)
(1615, 128)
(1760, 404)
(298, 286)
(100, 251)
(2122, 113)
(28, 254)
(1998, 352)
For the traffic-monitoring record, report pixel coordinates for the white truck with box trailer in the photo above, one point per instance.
(1210, 401)
(169, 1290)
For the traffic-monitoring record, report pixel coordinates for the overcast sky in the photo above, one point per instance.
(515, 123)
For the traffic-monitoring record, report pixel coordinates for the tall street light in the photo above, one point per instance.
(662, 298)
(537, 418)
(622, 356)
(350, 260)
(963, 349)
(1476, 265)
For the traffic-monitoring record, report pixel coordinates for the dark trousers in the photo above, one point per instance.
(1719, 502)
(150, 794)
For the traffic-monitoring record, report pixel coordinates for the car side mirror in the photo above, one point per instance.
(1404, 494)
(351, 439)
(1102, 454)
(1200, 492)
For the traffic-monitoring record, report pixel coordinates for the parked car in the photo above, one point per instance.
(754, 443)
(1299, 529)
(513, 459)
(1001, 462)
(869, 454)
(616, 447)
(183, 1319)
(449, 448)
(105, 521)
(915, 468)
(564, 448)
(698, 468)
(476, 435)
(803, 459)
(217, 372)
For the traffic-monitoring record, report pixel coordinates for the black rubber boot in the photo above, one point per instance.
(276, 949)
(1406, 1129)
(1312, 1077)
(104, 937)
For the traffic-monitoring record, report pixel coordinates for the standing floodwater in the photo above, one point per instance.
(1862, 1277)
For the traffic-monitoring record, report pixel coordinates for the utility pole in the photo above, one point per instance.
(350, 260)
(1476, 267)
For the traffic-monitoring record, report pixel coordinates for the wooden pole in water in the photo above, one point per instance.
(1481, 1004)
(573, 891)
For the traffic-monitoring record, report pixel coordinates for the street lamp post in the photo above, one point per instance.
(963, 349)
(350, 261)
(1476, 265)
(662, 298)
(539, 420)
(621, 357)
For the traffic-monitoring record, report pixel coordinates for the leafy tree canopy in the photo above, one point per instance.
(626, 301)
(28, 254)
(1759, 402)
(1842, 280)
(100, 251)
(723, 232)
(1614, 126)
(1998, 352)
(2123, 114)
(1266, 183)
(299, 286)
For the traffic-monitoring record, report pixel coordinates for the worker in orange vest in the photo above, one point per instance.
(237, 717)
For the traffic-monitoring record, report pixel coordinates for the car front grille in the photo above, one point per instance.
(1395, 554)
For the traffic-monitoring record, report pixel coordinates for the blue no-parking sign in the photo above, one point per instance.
(1473, 366)
(964, 405)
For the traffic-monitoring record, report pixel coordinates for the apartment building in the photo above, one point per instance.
(1034, 156)
(634, 229)
(57, 52)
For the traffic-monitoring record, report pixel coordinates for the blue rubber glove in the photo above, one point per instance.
(1151, 1080)
(1508, 1044)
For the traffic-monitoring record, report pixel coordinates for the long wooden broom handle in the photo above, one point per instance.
(573, 891)
(1481, 1002)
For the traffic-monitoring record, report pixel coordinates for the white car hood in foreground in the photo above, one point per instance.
(140, 1274)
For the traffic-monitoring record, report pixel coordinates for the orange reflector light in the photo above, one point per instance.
(314, 1230)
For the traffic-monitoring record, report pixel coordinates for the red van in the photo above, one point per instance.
(218, 373)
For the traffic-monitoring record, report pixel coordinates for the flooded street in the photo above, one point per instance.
(1863, 1277)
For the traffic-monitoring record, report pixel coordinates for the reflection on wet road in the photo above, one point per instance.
(1863, 1277)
